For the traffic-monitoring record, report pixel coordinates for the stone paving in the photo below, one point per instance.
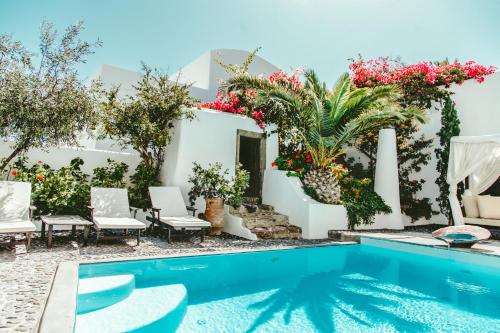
(25, 278)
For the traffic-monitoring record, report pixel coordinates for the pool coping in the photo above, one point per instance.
(59, 310)
(406, 239)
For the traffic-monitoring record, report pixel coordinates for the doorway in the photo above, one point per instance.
(251, 154)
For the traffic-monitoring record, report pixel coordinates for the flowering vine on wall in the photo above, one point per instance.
(243, 101)
(367, 73)
(422, 85)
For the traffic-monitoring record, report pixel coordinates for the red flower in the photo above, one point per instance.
(298, 170)
(13, 173)
(39, 177)
(273, 164)
(414, 181)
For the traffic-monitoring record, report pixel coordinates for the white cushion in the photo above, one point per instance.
(470, 205)
(489, 207)
(169, 200)
(479, 221)
(110, 202)
(17, 226)
(15, 198)
(118, 223)
(184, 222)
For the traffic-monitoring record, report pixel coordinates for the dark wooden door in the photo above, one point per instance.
(249, 157)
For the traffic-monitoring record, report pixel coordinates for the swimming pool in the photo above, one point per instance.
(351, 288)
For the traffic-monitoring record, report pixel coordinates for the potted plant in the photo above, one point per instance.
(213, 184)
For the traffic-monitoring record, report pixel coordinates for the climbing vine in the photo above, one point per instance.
(423, 85)
(450, 126)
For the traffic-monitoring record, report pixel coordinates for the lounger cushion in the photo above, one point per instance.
(169, 199)
(184, 222)
(118, 223)
(17, 226)
(479, 221)
(470, 205)
(15, 200)
(109, 202)
(489, 207)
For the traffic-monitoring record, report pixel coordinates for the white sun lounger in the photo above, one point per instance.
(111, 210)
(15, 210)
(170, 210)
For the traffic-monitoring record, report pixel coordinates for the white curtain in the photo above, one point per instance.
(477, 158)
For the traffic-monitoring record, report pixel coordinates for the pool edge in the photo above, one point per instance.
(59, 310)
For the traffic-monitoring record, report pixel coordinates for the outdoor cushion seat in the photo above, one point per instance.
(481, 221)
(118, 223)
(111, 210)
(184, 222)
(169, 210)
(17, 226)
(15, 209)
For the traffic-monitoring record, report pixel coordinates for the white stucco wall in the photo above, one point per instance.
(478, 108)
(287, 196)
(205, 73)
(211, 137)
(59, 157)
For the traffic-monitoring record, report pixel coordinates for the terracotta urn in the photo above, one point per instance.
(214, 213)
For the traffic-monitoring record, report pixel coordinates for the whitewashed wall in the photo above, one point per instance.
(478, 108)
(59, 157)
(211, 137)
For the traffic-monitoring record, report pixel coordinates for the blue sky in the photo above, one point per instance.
(318, 34)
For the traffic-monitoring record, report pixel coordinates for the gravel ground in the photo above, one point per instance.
(25, 278)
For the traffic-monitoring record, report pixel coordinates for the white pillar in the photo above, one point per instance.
(387, 179)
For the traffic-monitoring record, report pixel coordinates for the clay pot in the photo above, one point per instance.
(214, 213)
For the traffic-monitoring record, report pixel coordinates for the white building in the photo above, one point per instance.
(216, 136)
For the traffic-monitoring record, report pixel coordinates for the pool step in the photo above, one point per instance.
(154, 309)
(99, 292)
(265, 223)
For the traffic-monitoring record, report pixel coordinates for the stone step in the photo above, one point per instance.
(264, 220)
(265, 223)
(278, 232)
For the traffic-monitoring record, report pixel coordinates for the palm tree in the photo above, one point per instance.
(340, 116)
(324, 121)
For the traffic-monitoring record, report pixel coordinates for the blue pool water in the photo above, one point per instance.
(352, 288)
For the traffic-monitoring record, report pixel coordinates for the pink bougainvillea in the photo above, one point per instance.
(366, 73)
(242, 102)
(283, 78)
(225, 103)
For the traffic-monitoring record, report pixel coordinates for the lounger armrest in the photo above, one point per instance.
(155, 212)
(32, 211)
(91, 208)
(192, 209)
(134, 211)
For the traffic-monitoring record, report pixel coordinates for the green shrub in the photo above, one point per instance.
(144, 176)
(56, 192)
(112, 175)
(362, 204)
(240, 184)
(213, 182)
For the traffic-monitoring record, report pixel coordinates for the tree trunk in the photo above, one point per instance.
(9, 158)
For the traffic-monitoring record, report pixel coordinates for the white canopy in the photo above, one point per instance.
(476, 157)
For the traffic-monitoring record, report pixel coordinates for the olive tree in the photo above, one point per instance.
(43, 101)
(144, 122)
